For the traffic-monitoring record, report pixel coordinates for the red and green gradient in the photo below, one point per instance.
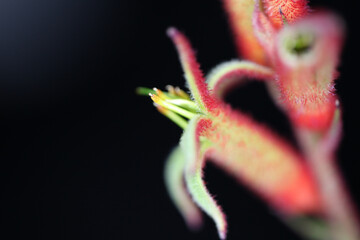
(296, 54)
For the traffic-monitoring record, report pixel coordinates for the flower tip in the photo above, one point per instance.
(222, 234)
(156, 99)
(171, 32)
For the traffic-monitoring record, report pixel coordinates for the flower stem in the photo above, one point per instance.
(338, 209)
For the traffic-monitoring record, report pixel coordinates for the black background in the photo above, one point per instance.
(82, 156)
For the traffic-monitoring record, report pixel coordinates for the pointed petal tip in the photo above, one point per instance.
(171, 32)
(222, 232)
(193, 75)
(222, 227)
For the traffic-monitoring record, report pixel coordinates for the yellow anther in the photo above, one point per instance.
(181, 93)
(162, 102)
(156, 99)
(171, 90)
(161, 94)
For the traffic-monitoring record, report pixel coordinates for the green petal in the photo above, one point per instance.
(174, 180)
(195, 149)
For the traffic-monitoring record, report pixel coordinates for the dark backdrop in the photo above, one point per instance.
(82, 156)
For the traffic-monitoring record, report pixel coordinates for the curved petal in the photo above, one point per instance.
(174, 181)
(264, 31)
(240, 19)
(195, 150)
(229, 74)
(264, 162)
(193, 74)
(306, 59)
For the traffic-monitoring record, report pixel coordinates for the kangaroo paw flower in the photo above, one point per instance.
(233, 141)
(299, 54)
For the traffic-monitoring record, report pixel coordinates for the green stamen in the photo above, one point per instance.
(189, 105)
(174, 108)
(173, 117)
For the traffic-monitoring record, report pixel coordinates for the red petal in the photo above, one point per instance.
(193, 74)
(292, 10)
(240, 18)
